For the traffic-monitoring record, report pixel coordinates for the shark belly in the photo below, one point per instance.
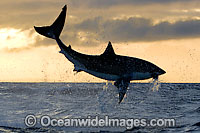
(140, 75)
(112, 77)
(105, 76)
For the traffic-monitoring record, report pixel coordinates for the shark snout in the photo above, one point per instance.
(161, 71)
(158, 72)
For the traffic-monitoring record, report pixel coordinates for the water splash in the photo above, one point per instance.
(107, 98)
(156, 84)
(105, 87)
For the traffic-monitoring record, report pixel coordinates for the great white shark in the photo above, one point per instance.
(108, 65)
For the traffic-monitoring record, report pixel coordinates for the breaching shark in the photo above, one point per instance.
(108, 65)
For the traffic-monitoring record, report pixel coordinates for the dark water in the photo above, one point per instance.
(79, 100)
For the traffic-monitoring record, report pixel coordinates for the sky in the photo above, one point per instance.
(164, 32)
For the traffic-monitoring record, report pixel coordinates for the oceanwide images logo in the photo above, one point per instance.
(46, 121)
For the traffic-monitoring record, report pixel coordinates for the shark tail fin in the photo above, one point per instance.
(55, 29)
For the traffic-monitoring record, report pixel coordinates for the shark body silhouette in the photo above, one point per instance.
(108, 66)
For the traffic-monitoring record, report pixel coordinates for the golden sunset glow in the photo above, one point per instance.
(164, 33)
(15, 38)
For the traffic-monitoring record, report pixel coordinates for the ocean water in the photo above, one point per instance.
(80, 100)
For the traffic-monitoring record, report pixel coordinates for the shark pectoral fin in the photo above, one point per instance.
(122, 92)
(61, 51)
(122, 85)
(77, 69)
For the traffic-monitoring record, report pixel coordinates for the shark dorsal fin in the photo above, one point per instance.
(109, 50)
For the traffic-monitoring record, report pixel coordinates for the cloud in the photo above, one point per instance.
(23, 14)
(133, 29)
(95, 31)
(89, 24)
(94, 22)
(110, 3)
(140, 29)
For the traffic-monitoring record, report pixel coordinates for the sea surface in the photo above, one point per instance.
(180, 101)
